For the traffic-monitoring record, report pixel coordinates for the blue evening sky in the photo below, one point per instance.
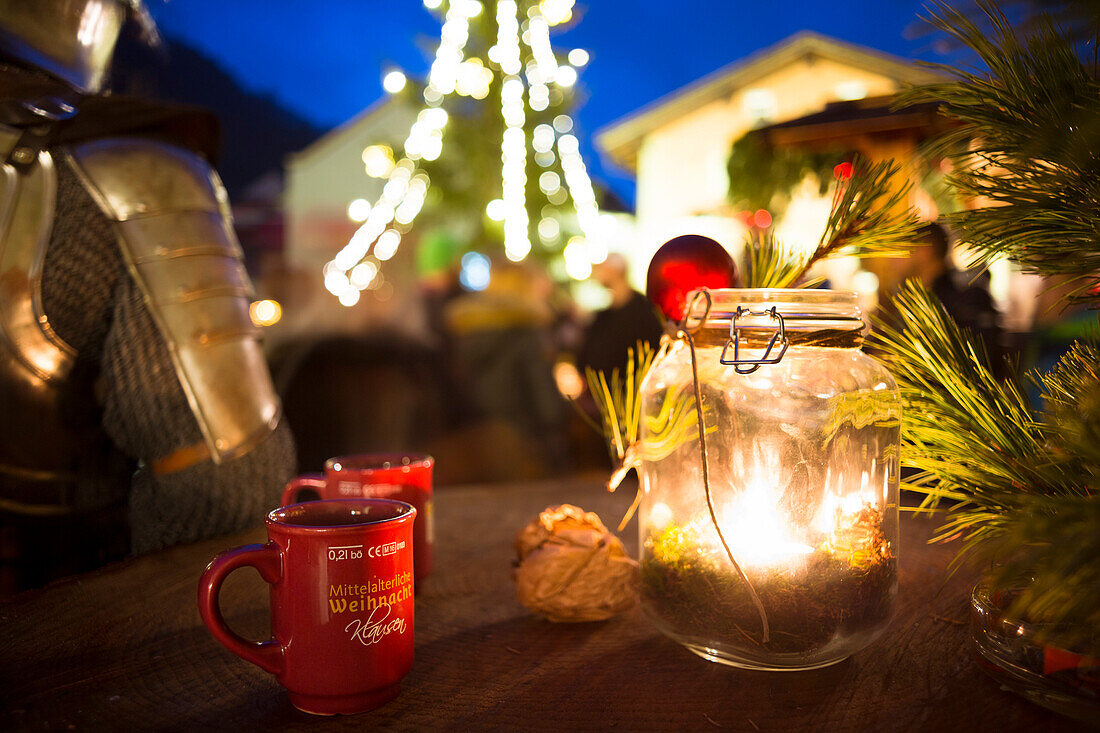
(324, 58)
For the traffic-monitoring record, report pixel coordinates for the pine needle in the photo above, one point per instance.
(618, 403)
(869, 218)
(1025, 484)
(1025, 488)
(620, 409)
(1026, 144)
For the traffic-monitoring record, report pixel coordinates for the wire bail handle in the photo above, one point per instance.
(749, 365)
(682, 331)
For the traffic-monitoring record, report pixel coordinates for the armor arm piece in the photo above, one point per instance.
(35, 471)
(146, 413)
(26, 216)
(171, 216)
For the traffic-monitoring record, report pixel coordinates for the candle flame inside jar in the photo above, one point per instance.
(843, 521)
(755, 530)
(837, 512)
(760, 536)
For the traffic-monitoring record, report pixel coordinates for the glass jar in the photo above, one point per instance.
(802, 434)
(1013, 651)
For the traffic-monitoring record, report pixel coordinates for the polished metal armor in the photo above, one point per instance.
(40, 455)
(141, 271)
(71, 39)
(35, 465)
(171, 215)
(26, 215)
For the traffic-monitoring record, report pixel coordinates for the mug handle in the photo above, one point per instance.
(308, 481)
(267, 559)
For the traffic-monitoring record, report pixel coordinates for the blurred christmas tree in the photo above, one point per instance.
(493, 147)
(1023, 481)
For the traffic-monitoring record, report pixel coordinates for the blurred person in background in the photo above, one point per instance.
(138, 408)
(629, 318)
(965, 295)
(437, 265)
(503, 360)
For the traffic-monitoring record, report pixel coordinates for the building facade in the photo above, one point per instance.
(678, 147)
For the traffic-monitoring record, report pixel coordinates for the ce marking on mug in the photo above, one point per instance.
(389, 548)
(347, 552)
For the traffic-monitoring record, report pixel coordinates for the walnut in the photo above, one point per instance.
(570, 568)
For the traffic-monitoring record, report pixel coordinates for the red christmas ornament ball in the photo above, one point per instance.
(843, 171)
(684, 264)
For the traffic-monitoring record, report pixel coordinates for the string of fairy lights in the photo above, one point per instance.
(357, 266)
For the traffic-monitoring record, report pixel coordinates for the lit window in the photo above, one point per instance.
(850, 90)
(761, 106)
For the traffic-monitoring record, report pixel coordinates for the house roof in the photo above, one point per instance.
(621, 139)
(846, 119)
(374, 114)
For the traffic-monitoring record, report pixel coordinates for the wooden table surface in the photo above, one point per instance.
(123, 648)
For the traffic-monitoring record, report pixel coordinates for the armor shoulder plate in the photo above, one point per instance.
(171, 214)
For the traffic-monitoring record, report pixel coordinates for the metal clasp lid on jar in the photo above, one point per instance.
(744, 365)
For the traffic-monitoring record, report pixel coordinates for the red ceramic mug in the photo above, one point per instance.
(403, 477)
(341, 576)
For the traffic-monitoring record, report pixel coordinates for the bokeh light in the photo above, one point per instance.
(265, 312)
(378, 160)
(476, 271)
(359, 210)
(394, 81)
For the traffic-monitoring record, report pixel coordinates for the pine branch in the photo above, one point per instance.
(1071, 395)
(619, 403)
(771, 264)
(1049, 549)
(869, 214)
(1026, 490)
(869, 218)
(617, 398)
(972, 437)
(1026, 147)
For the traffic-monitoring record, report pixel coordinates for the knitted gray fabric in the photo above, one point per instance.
(96, 307)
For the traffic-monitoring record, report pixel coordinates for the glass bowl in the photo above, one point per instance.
(1066, 681)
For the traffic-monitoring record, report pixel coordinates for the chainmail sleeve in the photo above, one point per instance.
(147, 414)
(100, 311)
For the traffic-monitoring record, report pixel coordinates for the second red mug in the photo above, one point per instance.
(399, 476)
